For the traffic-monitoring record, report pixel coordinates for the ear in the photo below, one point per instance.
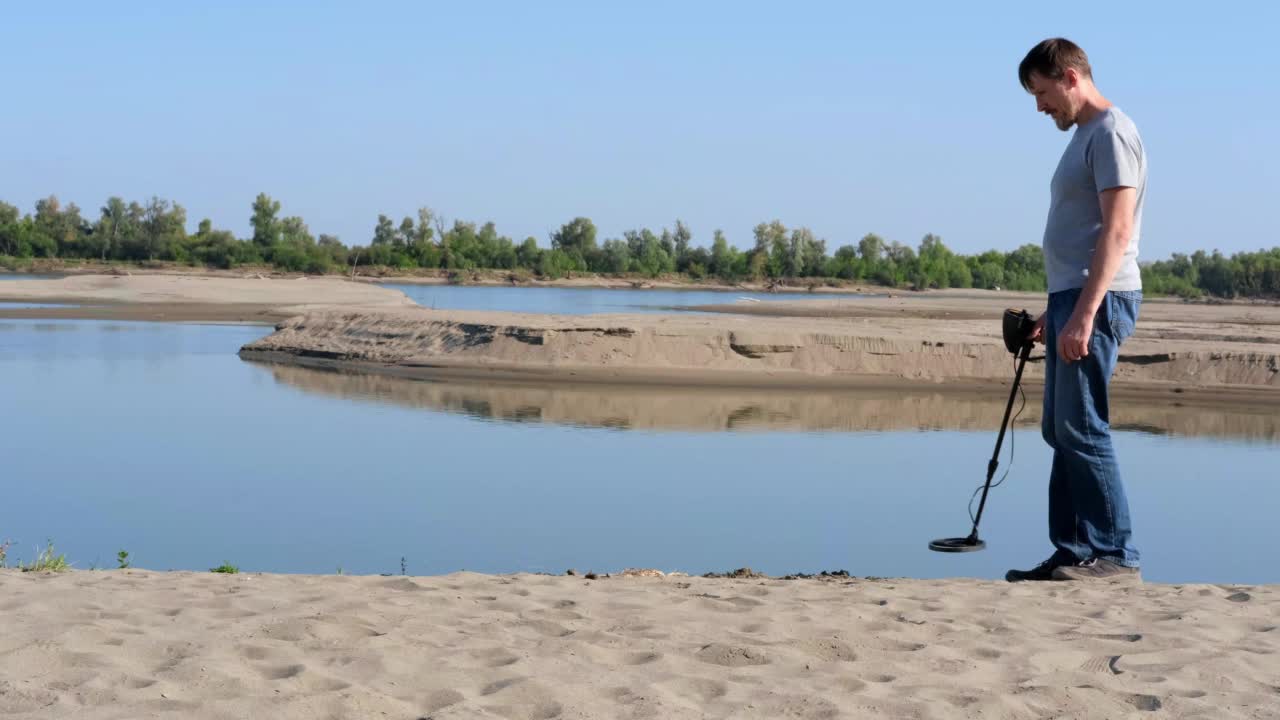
(1071, 77)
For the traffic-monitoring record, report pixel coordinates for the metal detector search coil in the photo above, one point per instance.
(1016, 328)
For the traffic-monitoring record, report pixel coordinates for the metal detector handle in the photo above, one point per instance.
(1023, 356)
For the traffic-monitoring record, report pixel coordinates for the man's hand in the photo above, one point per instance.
(1073, 341)
(1037, 332)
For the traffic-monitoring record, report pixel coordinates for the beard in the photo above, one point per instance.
(1063, 120)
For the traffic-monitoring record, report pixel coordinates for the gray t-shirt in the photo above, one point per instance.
(1104, 153)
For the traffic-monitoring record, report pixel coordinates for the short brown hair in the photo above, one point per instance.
(1051, 58)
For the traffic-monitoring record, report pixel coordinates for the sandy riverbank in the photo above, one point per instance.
(189, 298)
(485, 278)
(1229, 352)
(1168, 359)
(111, 644)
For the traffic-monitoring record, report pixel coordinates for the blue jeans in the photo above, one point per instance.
(1088, 510)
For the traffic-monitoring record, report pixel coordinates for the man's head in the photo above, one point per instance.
(1057, 73)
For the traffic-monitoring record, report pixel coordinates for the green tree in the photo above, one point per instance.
(682, 238)
(577, 240)
(163, 227)
(295, 232)
(53, 228)
(808, 253)
(10, 222)
(771, 242)
(846, 264)
(1024, 268)
(528, 255)
(266, 227)
(723, 261)
(616, 256)
(554, 264)
(384, 233)
(870, 249)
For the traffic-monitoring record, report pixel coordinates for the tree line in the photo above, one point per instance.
(157, 231)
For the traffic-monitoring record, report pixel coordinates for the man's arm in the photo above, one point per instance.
(1118, 206)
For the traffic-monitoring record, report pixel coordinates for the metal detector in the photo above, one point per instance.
(1017, 328)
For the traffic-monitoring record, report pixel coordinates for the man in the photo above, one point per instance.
(1095, 289)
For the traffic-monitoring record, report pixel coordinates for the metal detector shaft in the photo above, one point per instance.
(995, 457)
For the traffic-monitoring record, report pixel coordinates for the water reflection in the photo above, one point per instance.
(719, 409)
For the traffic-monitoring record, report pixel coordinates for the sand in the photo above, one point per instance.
(1168, 359)
(117, 644)
(503, 278)
(1182, 352)
(190, 298)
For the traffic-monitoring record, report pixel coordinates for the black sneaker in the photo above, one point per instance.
(1043, 571)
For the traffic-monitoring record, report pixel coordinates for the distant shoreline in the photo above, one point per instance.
(930, 339)
(481, 278)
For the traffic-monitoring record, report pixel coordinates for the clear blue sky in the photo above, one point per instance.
(896, 119)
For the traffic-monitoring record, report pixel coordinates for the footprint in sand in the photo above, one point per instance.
(501, 685)
(701, 690)
(311, 682)
(527, 701)
(798, 706)
(731, 656)
(495, 658)
(1121, 637)
(829, 649)
(548, 628)
(1102, 664)
(1192, 694)
(256, 652)
(1149, 703)
(850, 684)
(544, 711)
(890, 645)
(642, 658)
(961, 701)
(621, 694)
(283, 672)
(441, 699)
(175, 656)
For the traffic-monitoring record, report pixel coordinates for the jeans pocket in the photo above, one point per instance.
(1122, 312)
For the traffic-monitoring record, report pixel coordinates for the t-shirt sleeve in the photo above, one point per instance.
(1115, 160)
